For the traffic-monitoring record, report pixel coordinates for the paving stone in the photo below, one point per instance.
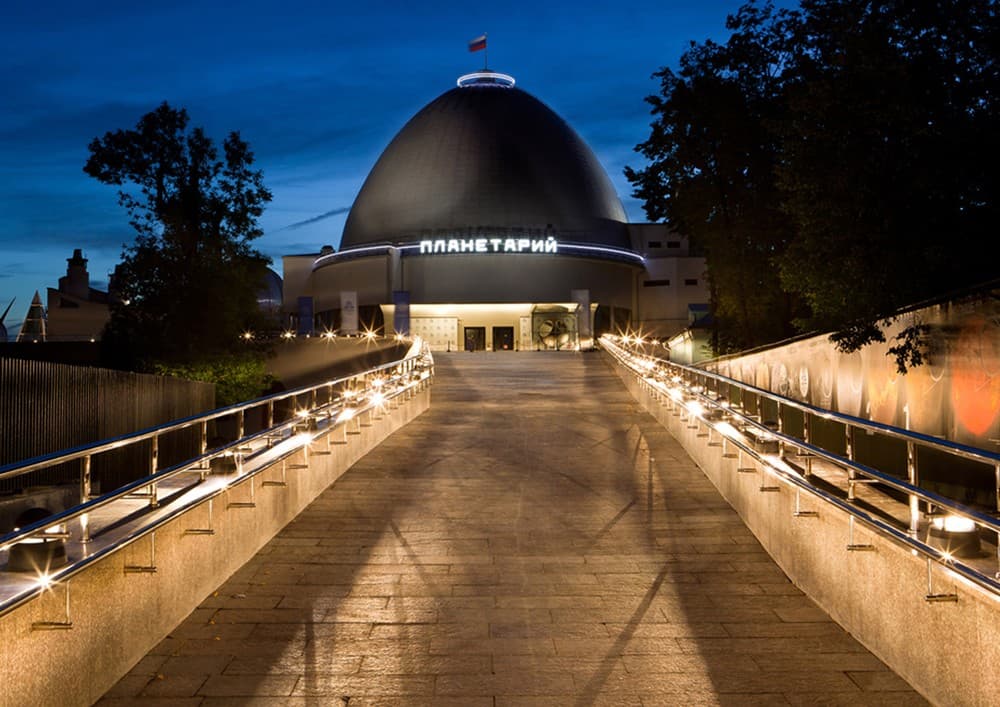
(532, 539)
(251, 686)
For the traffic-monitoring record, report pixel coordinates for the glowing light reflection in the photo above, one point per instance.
(954, 524)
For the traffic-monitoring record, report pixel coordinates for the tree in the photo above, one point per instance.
(711, 173)
(187, 287)
(840, 157)
(888, 164)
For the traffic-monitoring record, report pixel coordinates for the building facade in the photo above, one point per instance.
(488, 224)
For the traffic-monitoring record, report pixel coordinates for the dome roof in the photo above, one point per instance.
(482, 158)
(269, 294)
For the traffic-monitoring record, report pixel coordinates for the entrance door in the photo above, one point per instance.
(475, 338)
(503, 338)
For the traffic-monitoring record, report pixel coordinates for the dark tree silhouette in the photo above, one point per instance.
(888, 164)
(711, 173)
(187, 287)
(836, 163)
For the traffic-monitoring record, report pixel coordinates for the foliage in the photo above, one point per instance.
(237, 377)
(711, 173)
(840, 157)
(188, 285)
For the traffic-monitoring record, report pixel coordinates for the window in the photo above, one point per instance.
(656, 283)
(690, 281)
(673, 244)
(655, 244)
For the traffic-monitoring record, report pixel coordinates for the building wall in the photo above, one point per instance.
(70, 318)
(510, 278)
(514, 278)
(366, 276)
(665, 292)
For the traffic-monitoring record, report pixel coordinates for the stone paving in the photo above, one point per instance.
(533, 539)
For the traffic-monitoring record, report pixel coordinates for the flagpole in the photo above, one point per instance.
(486, 53)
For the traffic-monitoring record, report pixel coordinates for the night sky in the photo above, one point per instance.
(316, 89)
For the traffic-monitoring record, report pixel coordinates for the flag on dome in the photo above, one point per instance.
(478, 43)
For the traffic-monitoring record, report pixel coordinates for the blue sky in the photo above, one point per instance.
(316, 88)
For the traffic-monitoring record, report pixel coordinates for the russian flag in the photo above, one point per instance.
(478, 43)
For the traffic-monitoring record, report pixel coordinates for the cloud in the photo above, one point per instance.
(316, 219)
(11, 270)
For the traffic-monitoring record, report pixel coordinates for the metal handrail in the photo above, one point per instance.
(943, 445)
(18, 468)
(652, 371)
(417, 358)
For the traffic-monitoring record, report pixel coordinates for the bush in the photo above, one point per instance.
(237, 377)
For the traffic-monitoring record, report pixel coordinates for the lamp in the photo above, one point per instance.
(36, 554)
(956, 535)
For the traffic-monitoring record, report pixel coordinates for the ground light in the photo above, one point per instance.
(956, 535)
(38, 554)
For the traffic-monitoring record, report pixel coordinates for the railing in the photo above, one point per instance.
(106, 523)
(941, 529)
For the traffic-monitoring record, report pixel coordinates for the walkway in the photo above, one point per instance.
(533, 539)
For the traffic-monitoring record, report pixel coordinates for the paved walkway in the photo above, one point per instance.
(533, 539)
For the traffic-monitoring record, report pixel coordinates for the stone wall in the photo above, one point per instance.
(947, 650)
(117, 617)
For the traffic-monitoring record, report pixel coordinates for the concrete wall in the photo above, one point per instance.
(948, 651)
(955, 395)
(117, 617)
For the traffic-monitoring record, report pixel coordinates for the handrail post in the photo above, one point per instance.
(154, 465)
(849, 453)
(996, 473)
(913, 478)
(807, 438)
(85, 479)
(781, 430)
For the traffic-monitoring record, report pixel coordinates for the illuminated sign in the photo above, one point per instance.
(490, 245)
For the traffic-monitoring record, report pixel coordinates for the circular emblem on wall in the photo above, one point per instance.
(779, 378)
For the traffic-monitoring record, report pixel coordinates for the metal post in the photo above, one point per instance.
(239, 425)
(851, 475)
(85, 479)
(914, 480)
(996, 471)
(807, 438)
(202, 449)
(781, 429)
(154, 465)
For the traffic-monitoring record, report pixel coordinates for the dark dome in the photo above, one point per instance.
(481, 158)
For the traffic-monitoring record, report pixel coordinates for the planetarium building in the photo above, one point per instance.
(488, 224)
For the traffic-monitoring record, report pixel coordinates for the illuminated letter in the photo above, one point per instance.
(537, 246)
(480, 245)
(452, 245)
(510, 245)
(468, 245)
(426, 247)
(439, 246)
(495, 242)
(523, 244)
(551, 245)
